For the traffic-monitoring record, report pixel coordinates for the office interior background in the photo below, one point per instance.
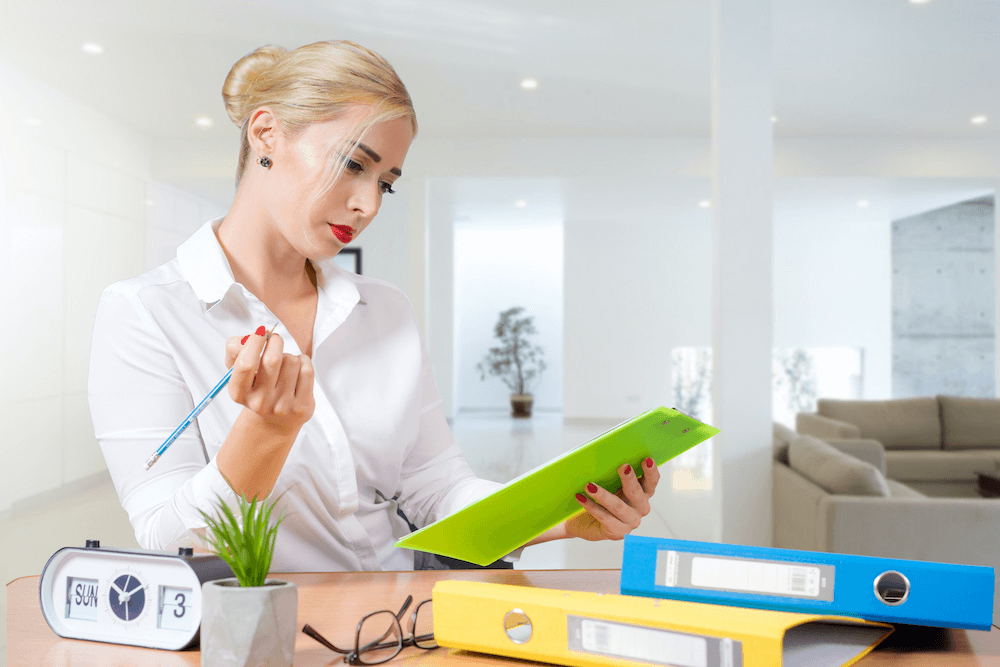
(733, 221)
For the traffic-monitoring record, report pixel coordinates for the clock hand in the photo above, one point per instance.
(127, 594)
(117, 590)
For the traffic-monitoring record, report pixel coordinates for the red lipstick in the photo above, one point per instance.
(342, 232)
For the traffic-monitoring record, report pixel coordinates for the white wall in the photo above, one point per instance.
(78, 211)
(499, 266)
(832, 282)
(439, 293)
(173, 216)
(833, 261)
(595, 187)
(631, 180)
(73, 220)
(637, 284)
(385, 244)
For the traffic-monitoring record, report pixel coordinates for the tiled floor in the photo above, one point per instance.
(496, 446)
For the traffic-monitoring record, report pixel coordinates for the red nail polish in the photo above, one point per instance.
(243, 341)
(628, 469)
(580, 498)
(591, 488)
(261, 330)
(649, 461)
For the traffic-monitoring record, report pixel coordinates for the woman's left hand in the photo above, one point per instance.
(611, 516)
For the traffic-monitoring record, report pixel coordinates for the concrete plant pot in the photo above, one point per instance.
(252, 626)
(520, 405)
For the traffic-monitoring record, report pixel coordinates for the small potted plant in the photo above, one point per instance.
(249, 619)
(516, 361)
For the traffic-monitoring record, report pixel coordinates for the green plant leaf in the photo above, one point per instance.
(248, 548)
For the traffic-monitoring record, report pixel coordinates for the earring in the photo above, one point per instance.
(264, 162)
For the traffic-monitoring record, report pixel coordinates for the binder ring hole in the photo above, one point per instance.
(517, 626)
(667, 421)
(685, 430)
(892, 588)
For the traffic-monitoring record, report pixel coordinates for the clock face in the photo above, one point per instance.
(127, 597)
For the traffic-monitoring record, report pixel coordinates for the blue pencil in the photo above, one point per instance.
(197, 411)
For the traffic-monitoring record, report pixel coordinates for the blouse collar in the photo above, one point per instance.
(206, 267)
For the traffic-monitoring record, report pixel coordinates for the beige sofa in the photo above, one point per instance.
(836, 498)
(934, 445)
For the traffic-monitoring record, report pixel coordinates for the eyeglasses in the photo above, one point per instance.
(373, 643)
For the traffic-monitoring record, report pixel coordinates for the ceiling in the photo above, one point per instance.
(857, 67)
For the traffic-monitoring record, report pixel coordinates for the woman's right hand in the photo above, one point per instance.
(279, 389)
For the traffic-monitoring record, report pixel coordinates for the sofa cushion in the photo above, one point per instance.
(970, 423)
(871, 451)
(825, 428)
(833, 470)
(940, 466)
(907, 423)
(783, 437)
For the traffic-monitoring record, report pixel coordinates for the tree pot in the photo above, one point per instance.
(252, 626)
(520, 405)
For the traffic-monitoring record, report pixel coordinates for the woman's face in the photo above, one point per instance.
(320, 228)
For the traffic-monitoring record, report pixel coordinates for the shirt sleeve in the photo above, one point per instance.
(137, 398)
(436, 480)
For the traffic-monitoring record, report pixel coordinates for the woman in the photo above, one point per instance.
(342, 414)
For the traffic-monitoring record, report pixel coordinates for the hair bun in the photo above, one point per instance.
(237, 87)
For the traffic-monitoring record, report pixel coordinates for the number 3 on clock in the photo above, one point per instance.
(174, 608)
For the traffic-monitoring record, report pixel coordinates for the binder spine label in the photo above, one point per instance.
(653, 646)
(679, 569)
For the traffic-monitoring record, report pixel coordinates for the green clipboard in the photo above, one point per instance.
(526, 507)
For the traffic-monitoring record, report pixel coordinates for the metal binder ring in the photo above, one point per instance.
(892, 588)
(517, 626)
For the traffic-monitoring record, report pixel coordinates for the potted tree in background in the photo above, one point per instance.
(249, 619)
(516, 360)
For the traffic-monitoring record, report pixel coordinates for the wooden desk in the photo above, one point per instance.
(334, 602)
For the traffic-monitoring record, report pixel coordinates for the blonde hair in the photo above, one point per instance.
(315, 83)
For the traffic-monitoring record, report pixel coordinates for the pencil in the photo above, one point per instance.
(201, 406)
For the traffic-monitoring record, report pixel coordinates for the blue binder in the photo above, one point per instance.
(875, 589)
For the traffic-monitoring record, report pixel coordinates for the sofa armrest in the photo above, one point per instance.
(948, 530)
(871, 451)
(795, 507)
(818, 426)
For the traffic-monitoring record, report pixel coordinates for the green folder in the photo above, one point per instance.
(526, 507)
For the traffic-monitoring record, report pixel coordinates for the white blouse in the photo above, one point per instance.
(378, 430)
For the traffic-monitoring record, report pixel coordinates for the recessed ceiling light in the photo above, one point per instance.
(704, 203)
(978, 120)
(529, 84)
(91, 47)
(34, 122)
(203, 121)
(863, 203)
(520, 203)
(919, 2)
(150, 202)
(774, 119)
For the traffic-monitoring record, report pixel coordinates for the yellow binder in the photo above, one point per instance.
(583, 629)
